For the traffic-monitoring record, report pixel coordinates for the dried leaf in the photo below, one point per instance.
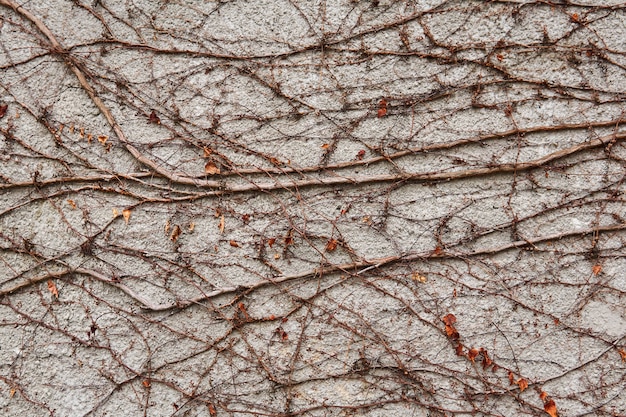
(115, 213)
(175, 233)
(81, 132)
(245, 218)
(211, 169)
(103, 139)
(167, 227)
(522, 383)
(126, 215)
(449, 319)
(192, 226)
(471, 355)
(145, 383)
(153, 118)
(550, 408)
(277, 256)
(271, 241)
(459, 350)
(234, 244)
(486, 359)
(437, 251)
(360, 155)
(71, 203)
(207, 152)
(3, 110)
(543, 395)
(331, 245)
(382, 108)
(418, 277)
(12, 392)
(221, 225)
(512, 378)
(212, 411)
(622, 353)
(53, 288)
(325, 146)
(596, 269)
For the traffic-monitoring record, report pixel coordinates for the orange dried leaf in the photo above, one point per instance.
(325, 146)
(622, 353)
(221, 225)
(512, 378)
(275, 161)
(471, 355)
(271, 242)
(523, 384)
(382, 112)
(486, 359)
(103, 139)
(126, 215)
(71, 203)
(12, 393)
(207, 152)
(449, 319)
(331, 245)
(211, 169)
(192, 226)
(596, 269)
(543, 395)
(550, 408)
(437, 250)
(212, 411)
(115, 213)
(175, 233)
(234, 244)
(145, 383)
(418, 277)
(575, 17)
(53, 288)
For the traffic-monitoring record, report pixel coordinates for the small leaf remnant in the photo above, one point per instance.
(126, 215)
(382, 108)
(175, 233)
(596, 269)
(153, 118)
(3, 110)
(451, 331)
(72, 204)
(418, 277)
(550, 408)
(331, 245)
(234, 243)
(53, 288)
(622, 353)
(211, 169)
(522, 383)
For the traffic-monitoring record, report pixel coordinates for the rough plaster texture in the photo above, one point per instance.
(278, 208)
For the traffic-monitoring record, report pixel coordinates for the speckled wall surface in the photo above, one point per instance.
(311, 208)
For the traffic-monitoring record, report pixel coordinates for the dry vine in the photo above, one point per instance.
(289, 208)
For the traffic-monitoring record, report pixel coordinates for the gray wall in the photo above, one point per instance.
(350, 208)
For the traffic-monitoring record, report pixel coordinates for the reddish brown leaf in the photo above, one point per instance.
(53, 288)
(331, 245)
(153, 118)
(596, 269)
(471, 355)
(449, 319)
(437, 250)
(459, 350)
(622, 353)
(382, 108)
(543, 395)
(245, 218)
(212, 411)
(486, 359)
(360, 154)
(145, 383)
(271, 241)
(234, 244)
(522, 383)
(511, 378)
(3, 110)
(550, 408)
(71, 203)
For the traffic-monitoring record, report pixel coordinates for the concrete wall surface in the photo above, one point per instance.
(312, 208)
